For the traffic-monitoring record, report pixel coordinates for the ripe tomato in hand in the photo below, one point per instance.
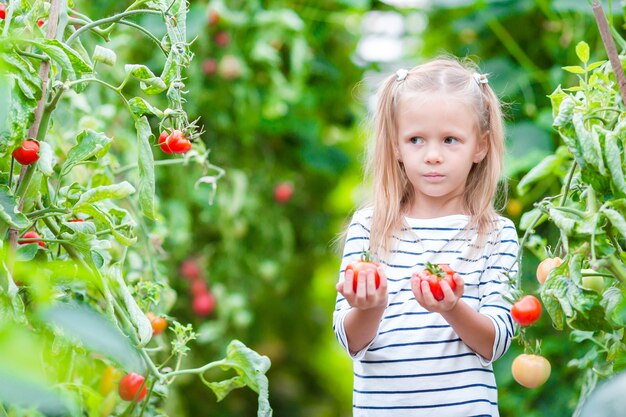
(545, 266)
(27, 153)
(130, 385)
(526, 310)
(434, 274)
(31, 235)
(159, 324)
(531, 371)
(364, 264)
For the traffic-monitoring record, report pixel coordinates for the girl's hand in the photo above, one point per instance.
(367, 296)
(426, 299)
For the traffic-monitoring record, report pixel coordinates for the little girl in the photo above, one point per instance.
(436, 162)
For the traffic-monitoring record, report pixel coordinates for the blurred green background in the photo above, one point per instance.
(282, 90)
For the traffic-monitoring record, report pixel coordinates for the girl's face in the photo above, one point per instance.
(438, 143)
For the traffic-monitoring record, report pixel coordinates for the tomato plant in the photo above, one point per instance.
(93, 203)
(434, 274)
(530, 370)
(526, 310)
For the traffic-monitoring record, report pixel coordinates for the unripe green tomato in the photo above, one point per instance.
(592, 282)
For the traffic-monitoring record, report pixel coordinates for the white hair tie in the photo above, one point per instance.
(401, 74)
(480, 78)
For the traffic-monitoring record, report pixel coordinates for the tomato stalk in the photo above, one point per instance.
(106, 20)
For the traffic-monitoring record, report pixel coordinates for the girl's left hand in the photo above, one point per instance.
(425, 297)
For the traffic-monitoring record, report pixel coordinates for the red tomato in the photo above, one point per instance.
(526, 310)
(203, 304)
(363, 265)
(213, 17)
(27, 153)
(283, 192)
(164, 146)
(40, 22)
(190, 269)
(76, 220)
(130, 386)
(3, 11)
(175, 142)
(31, 235)
(209, 66)
(198, 287)
(434, 274)
(545, 266)
(531, 371)
(159, 324)
(222, 39)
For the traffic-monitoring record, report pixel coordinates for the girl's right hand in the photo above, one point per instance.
(367, 296)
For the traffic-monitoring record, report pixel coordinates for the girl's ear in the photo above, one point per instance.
(482, 149)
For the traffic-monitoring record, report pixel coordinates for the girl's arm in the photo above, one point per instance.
(475, 329)
(368, 305)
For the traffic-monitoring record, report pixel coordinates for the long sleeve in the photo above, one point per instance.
(495, 285)
(357, 241)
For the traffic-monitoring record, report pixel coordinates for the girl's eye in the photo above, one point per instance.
(451, 139)
(416, 140)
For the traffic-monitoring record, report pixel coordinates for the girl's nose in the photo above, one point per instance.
(433, 155)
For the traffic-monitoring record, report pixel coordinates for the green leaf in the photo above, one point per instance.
(222, 388)
(582, 51)
(139, 107)
(616, 219)
(149, 83)
(45, 162)
(90, 144)
(564, 115)
(530, 216)
(565, 219)
(574, 69)
(27, 392)
(70, 62)
(543, 169)
(594, 65)
(146, 168)
(613, 157)
(136, 316)
(105, 55)
(9, 212)
(95, 332)
(586, 140)
(25, 253)
(121, 190)
(552, 292)
(105, 218)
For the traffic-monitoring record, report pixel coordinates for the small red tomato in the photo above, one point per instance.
(222, 39)
(76, 220)
(40, 22)
(364, 264)
(162, 142)
(198, 287)
(27, 153)
(283, 192)
(213, 17)
(31, 235)
(209, 66)
(434, 274)
(203, 304)
(526, 310)
(3, 11)
(130, 386)
(177, 142)
(190, 269)
(159, 324)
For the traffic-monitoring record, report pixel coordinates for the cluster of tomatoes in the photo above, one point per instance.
(531, 370)
(203, 303)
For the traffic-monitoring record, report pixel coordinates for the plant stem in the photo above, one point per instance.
(107, 20)
(33, 55)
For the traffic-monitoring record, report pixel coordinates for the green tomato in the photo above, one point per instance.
(592, 282)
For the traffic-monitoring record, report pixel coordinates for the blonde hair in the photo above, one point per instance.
(393, 192)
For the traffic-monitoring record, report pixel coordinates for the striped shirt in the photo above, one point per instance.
(417, 365)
